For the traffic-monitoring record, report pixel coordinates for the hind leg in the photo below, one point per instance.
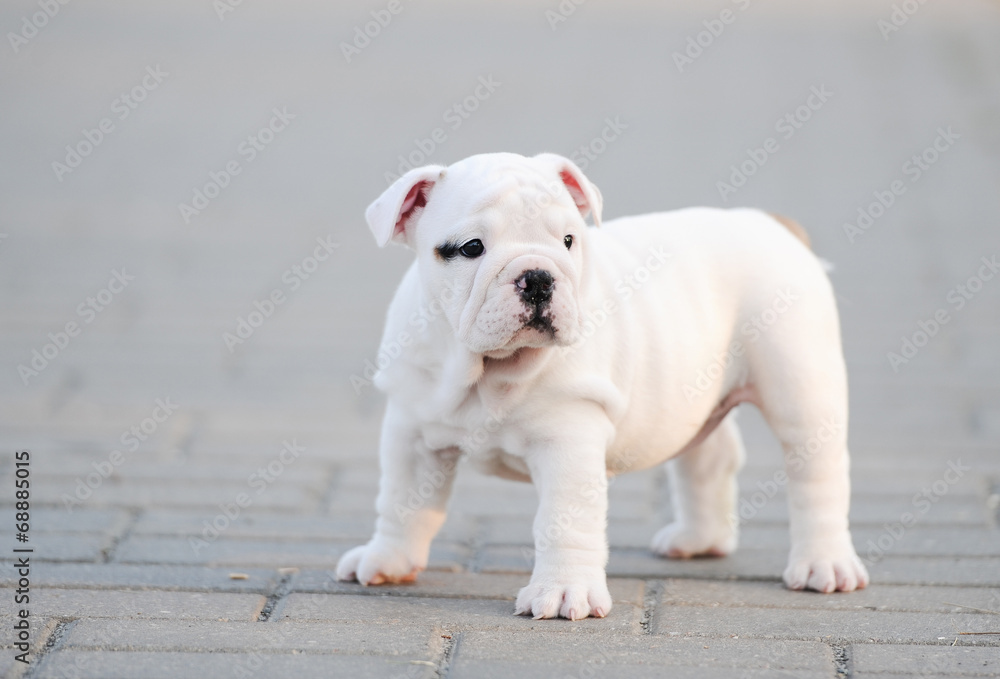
(819, 489)
(816, 459)
(703, 491)
(801, 382)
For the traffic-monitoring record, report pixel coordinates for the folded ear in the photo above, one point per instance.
(395, 213)
(586, 196)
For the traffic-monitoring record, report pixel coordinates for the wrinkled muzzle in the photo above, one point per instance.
(531, 302)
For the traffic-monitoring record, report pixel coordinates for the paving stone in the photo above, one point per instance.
(348, 501)
(506, 559)
(84, 603)
(920, 661)
(749, 564)
(819, 625)
(521, 500)
(38, 629)
(140, 493)
(195, 471)
(869, 481)
(642, 563)
(409, 639)
(448, 613)
(935, 570)
(256, 525)
(147, 576)
(282, 526)
(927, 541)
(916, 540)
(576, 652)
(153, 665)
(886, 675)
(7, 663)
(451, 585)
(877, 597)
(276, 553)
(137, 465)
(868, 509)
(52, 520)
(744, 563)
(63, 546)
(630, 532)
(479, 669)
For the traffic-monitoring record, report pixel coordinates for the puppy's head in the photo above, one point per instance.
(499, 241)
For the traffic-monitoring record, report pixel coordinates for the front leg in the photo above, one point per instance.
(413, 494)
(571, 547)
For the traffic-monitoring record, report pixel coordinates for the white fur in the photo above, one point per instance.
(642, 368)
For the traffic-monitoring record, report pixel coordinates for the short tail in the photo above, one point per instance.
(797, 230)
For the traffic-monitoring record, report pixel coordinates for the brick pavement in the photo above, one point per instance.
(139, 573)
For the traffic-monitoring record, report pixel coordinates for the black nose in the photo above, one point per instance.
(535, 286)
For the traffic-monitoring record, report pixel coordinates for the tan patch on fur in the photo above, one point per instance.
(795, 228)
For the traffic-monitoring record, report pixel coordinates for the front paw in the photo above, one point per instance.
(566, 592)
(379, 562)
(826, 568)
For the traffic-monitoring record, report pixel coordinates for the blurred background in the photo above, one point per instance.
(171, 169)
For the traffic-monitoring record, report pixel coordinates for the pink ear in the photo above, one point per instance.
(396, 212)
(587, 197)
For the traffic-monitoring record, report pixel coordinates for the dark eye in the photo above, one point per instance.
(472, 249)
(568, 242)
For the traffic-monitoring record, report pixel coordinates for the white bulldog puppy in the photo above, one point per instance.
(546, 351)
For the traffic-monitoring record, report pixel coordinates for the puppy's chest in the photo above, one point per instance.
(480, 428)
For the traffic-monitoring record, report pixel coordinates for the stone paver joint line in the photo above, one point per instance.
(108, 553)
(651, 599)
(281, 590)
(449, 649)
(52, 643)
(842, 660)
